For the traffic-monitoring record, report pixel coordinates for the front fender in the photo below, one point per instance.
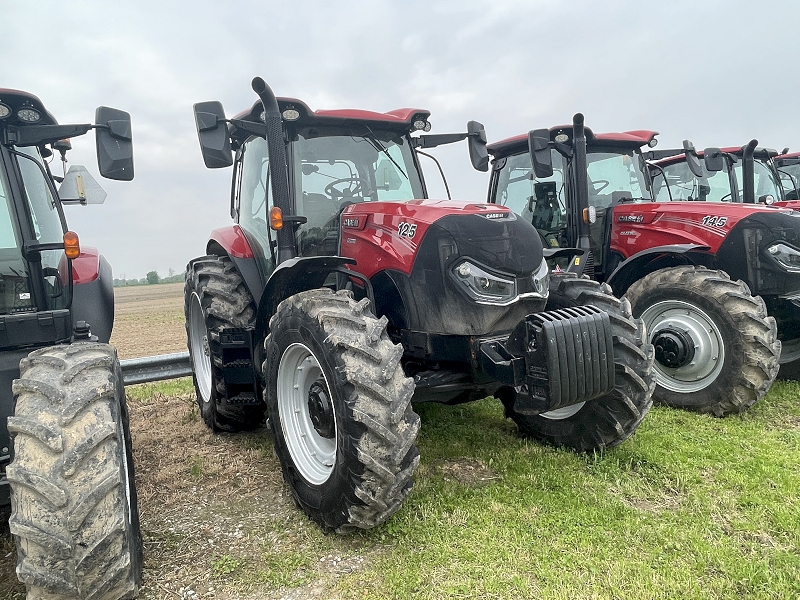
(635, 267)
(292, 277)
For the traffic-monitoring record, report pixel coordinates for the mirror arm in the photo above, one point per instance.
(432, 141)
(259, 129)
(35, 135)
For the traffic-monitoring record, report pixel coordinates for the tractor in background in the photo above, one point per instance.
(703, 276)
(747, 175)
(341, 294)
(66, 465)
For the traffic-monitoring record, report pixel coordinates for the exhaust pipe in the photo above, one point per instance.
(748, 172)
(279, 173)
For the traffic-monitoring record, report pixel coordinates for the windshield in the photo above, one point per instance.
(714, 186)
(767, 183)
(614, 175)
(334, 168)
(790, 178)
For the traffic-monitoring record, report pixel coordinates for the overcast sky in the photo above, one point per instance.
(717, 72)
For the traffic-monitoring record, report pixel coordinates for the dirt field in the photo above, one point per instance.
(148, 320)
(206, 500)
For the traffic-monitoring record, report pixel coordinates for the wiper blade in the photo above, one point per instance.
(381, 148)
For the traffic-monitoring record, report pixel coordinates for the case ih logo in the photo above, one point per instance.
(351, 222)
(631, 218)
(496, 215)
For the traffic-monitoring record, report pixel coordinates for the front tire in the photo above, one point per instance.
(717, 350)
(340, 409)
(609, 420)
(215, 297)
(73, 502)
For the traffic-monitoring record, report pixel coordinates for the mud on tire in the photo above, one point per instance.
(349, 466)
(216, 297)
(611, 419)
(73, 502)
(721, 317)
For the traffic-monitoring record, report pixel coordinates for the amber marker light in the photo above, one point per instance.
(276, 218)
(72, 247)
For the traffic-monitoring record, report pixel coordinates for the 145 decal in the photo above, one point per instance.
(408, 230)
(714, 221)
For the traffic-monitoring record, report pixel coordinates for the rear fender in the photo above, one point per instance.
(294, 276)
(640, 264)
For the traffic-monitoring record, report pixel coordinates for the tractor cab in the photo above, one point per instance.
(737, 174)
(545, 191)
(335, 160)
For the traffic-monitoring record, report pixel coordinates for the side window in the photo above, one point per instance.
(47, 227)
(255, 193)
(538, 200)
(391, 183)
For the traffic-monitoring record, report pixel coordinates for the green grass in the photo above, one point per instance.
(690, 507)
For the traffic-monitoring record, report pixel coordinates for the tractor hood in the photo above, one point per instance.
(444, 267)
(388, 235)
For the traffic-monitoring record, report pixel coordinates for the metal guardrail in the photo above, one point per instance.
(155, 368)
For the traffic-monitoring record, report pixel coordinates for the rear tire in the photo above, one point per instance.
(340, 410)
(611, 419)
(73, 502)
(719, 318)
(215, 297)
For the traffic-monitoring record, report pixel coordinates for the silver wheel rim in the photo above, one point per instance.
(312, 454)
(563, 413)
(199, 350)
(709, 348)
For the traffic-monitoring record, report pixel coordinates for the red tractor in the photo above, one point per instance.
(65, 449)
(342, 293)
(748, 175)
(687, 268)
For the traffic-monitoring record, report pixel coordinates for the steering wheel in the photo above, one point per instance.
(605, 183)
(355, 185)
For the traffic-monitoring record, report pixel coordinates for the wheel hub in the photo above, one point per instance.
(320, 410)
(674, 348)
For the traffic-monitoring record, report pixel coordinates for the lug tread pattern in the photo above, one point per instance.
(744, 384)
(381, 423)
(66, 498)
(227, 303)
(609, 420)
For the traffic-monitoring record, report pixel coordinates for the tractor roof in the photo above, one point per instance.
(401, 119)
(13, 101)
(788, 155)
(626, 139)
(666, 159)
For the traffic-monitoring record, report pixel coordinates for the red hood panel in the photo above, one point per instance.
(637, 227)
(386, 235)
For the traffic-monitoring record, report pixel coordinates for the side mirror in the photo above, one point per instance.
(692, 160)
(114, 143)
(476, 140)
(714, 159)
(539, 149)
(215, 143)
(79, 187)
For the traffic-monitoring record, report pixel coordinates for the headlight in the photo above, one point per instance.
(484, 287)
(541, 279)
(786, 256)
